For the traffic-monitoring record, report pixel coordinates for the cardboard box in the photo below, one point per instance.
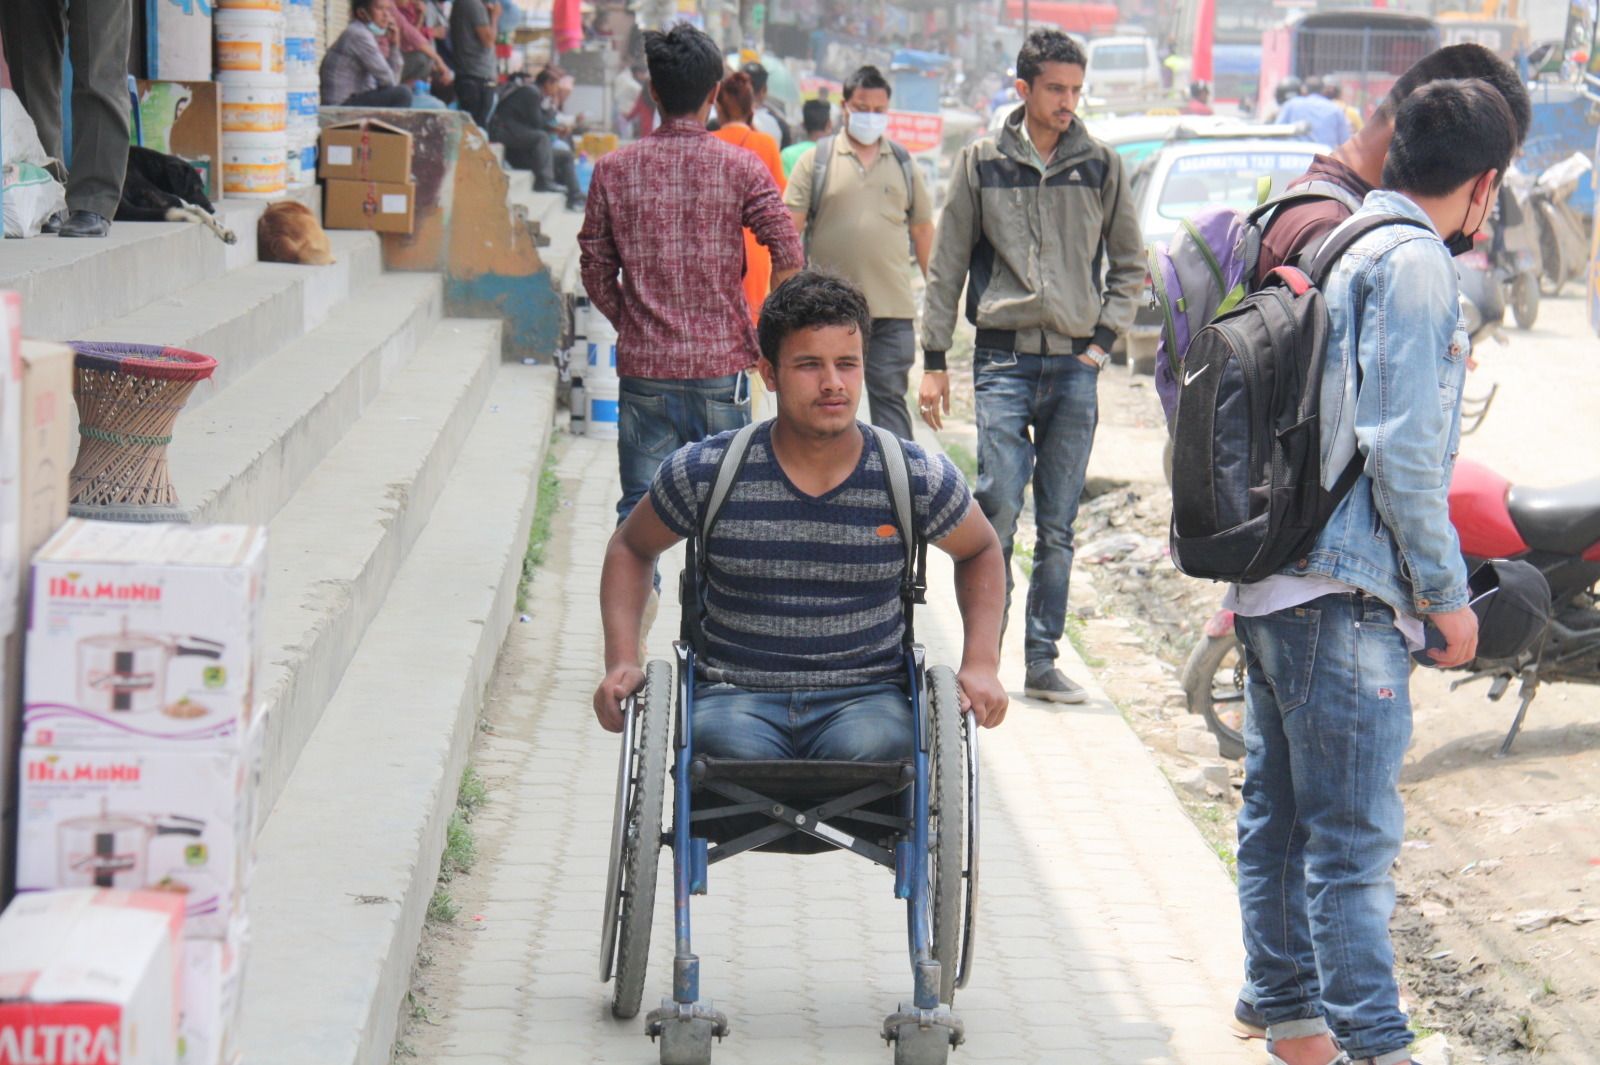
(167, 820)
(144, 636)
(89, 978)
(10, 459)
(380, 206)
(48, 449)
(213, 971)
(365, 149)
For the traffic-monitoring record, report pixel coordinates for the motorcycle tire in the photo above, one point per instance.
(1525, 300)
(1553, 275)
(1215, 690)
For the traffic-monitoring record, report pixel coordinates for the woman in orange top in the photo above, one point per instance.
(735, 107)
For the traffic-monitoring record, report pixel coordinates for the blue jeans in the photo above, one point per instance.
(864, 723)
(1328, 718)
(655, 417)
(1036, 419)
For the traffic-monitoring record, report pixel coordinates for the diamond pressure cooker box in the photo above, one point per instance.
(177, 821)
(144, 636)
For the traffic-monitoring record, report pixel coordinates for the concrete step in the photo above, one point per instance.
(242, 317)
(348, 857)
(518, 182)
(70, 286)
(558, 230)
(241, 455)
(338, 542)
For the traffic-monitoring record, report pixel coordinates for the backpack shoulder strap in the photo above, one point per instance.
(1310, 192)
(1344, 238)
(907, 171)
(821, 156)
(897, 471)
(728, 467)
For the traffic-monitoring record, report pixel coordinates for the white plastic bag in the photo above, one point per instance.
(19, 139)
(31, 197)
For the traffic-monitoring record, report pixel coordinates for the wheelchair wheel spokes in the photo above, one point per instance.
(627, 779)
(969, 918)
(946, 856)
(637, 857)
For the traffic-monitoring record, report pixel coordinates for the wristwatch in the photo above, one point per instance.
(1100, 356)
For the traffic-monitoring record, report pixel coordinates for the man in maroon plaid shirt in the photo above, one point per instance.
(663, 258)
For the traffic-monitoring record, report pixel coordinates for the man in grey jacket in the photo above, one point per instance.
(1040, 227)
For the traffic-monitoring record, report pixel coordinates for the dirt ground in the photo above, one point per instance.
(1498, 922)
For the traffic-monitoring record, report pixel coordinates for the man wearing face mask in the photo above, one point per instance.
(1328, 640)
(1040, 228)
(860, 203)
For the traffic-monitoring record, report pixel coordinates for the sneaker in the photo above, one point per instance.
(1248, 1022)
(1046, 682)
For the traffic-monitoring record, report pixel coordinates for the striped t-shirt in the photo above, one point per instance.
(803, 592)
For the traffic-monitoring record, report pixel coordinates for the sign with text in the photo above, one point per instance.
(916, 131)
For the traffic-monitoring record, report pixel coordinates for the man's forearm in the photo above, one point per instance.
(981, 597)
(922, 241)
(625, 582)
(780, 276)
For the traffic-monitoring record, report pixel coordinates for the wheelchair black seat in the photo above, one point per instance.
(734, 799)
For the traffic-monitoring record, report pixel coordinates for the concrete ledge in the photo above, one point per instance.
(349, 855)
(338, 542)
(241, 455)
(242, 317)
(69, 286)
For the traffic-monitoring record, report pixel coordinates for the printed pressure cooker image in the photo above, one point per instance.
(110, 850)
(126, 672)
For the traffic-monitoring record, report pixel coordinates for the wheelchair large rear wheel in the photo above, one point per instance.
(946, 822)
(636, 841)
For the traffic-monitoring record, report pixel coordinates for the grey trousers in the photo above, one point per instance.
(890, 352)
(36, 34)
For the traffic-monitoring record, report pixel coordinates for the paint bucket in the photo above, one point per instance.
(257, 5)
(302, 158)
(601, 395)
(258, 108)
(255, 172)
(300, 44)
(249, 43)
(302, 99)
(602, 360)
(579, 405)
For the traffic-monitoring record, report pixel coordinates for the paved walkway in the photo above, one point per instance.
(1108, 934)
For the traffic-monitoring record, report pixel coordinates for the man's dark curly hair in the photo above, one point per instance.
(811, 299)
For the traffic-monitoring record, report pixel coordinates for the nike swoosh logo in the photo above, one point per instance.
(1190, 379)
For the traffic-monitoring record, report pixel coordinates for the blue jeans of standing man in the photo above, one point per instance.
(655, 417)
(1328, 718)
(863, 723)
(1036, 419)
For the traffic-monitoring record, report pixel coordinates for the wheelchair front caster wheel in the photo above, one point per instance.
(923, 1037)
(686, 1032)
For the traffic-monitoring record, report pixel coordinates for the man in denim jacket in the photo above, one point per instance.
(1328, 641)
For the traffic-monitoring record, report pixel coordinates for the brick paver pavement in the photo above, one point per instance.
(1108, 930)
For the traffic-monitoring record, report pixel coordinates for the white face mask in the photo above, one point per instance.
(867, 127)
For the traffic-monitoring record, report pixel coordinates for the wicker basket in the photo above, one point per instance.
(129, 396)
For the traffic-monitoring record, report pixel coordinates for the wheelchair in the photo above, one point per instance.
(917, 817)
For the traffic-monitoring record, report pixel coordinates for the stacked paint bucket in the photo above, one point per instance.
(600, 384)
(305, 91)
(249, 37)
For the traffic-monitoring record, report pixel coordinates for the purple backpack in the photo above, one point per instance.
(1208, 268)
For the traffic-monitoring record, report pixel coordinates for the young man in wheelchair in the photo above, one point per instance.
(804, 620)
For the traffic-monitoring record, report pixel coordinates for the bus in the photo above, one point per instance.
(1365, 51)
(1236, 44)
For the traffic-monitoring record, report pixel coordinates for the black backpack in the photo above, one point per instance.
(897, 478)
(1247, 491)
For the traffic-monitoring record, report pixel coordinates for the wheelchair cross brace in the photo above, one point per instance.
(789, 821)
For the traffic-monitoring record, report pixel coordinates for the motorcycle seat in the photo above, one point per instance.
(1564, 520)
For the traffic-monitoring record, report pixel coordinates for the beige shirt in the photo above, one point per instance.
(861, 231)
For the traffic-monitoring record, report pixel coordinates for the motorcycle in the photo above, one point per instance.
(1563, 240)
(1555, 529)
(1512, 255)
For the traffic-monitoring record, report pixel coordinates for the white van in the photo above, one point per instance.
(1121, 67)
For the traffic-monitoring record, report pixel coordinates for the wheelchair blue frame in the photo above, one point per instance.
(691, 855)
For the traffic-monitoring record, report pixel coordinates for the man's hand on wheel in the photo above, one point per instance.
(982, 695)
(619, 683)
